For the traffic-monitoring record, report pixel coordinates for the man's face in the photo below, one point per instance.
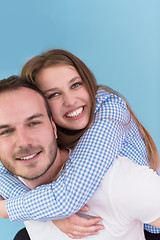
(27, 136)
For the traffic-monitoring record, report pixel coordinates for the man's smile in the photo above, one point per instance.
(28, 157)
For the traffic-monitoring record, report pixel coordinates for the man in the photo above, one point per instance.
(28, 149)
(28, 137)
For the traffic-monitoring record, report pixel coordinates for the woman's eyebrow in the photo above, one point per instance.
(75, 78)
(56, 88)
(49, 90)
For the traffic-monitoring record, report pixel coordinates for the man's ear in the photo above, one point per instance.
(54, 127)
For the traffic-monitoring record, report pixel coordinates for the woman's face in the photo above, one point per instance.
(67, 95)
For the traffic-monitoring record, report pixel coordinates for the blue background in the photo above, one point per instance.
(117, 39)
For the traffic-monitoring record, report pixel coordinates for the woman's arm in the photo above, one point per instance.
(84, 170)
(10, 186)
(73, 226)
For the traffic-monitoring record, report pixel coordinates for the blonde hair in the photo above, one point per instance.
(68, 138)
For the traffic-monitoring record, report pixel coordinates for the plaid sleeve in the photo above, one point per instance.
(84, 170)
(9, 185)
(3, 169)
(151, 229)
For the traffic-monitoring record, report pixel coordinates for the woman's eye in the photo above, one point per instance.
(75, 85)
(53, 95)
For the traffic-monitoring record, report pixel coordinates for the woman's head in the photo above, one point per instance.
(67, 96)
(56, 73)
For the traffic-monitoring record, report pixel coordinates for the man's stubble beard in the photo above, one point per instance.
(52, 156)
(52, 159)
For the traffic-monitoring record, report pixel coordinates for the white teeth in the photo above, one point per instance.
(75, 113)
(28, 157)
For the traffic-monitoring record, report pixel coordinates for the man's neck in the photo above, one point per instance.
(48, 177)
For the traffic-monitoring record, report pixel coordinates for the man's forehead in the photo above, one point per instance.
(21, 103)
(20, 89)
(23, 94)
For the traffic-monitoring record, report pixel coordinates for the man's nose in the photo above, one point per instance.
(23, 139)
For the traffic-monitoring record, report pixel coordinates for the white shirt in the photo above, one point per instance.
(126, 198)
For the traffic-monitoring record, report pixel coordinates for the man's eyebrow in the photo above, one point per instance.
(4, 126)
(38, 115)
(55, 89)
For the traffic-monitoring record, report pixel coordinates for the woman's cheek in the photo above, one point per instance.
(55, 109)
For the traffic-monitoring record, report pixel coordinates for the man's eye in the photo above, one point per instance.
(75, 85)
(53, 95)
(6, 132)
(33, 123)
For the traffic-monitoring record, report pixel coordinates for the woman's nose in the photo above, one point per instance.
(69, 100)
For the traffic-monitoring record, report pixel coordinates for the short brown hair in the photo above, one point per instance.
(14, 82)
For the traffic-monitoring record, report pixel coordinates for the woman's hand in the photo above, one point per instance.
(77, 227)
(3, 210)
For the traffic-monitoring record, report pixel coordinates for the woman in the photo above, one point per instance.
(113, 126)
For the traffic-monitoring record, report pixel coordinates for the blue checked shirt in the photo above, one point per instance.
(112, 133)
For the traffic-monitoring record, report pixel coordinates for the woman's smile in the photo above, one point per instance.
(74, 113)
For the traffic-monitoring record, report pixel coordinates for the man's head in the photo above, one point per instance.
(27, 134)
(14, 82)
